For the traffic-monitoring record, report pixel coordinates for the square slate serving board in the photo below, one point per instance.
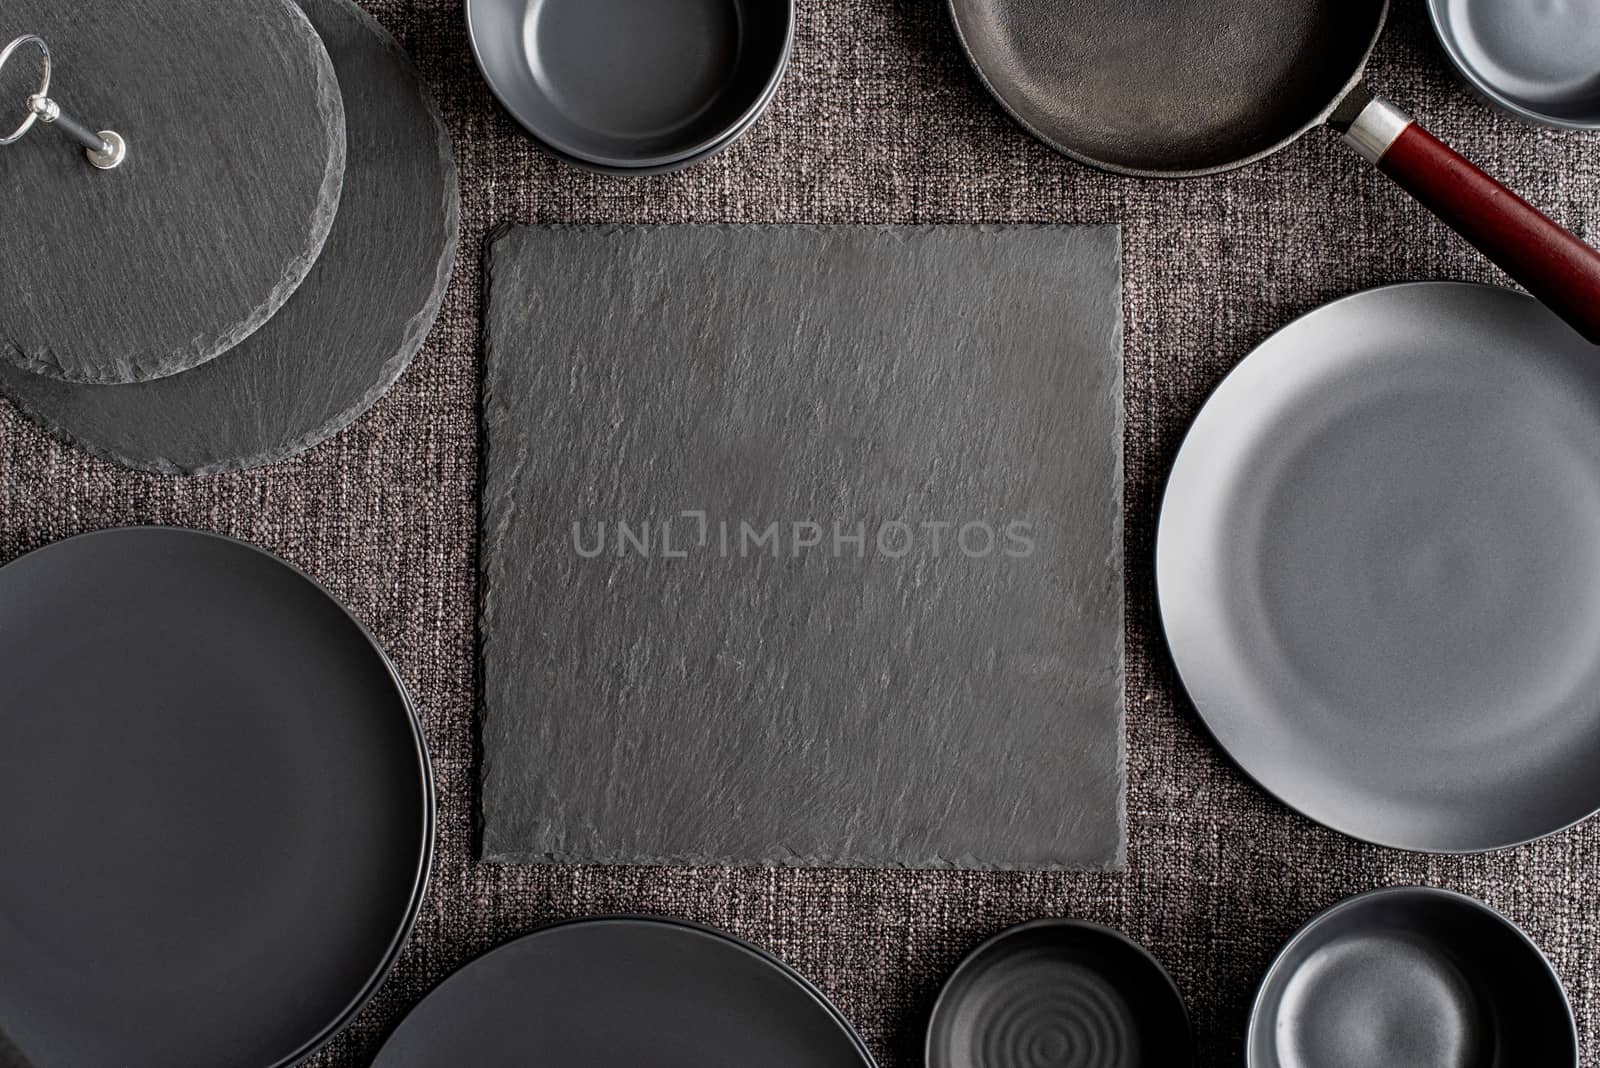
(802, 545)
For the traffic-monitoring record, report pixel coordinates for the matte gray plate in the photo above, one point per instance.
(1536, 58)
(1411, 976)
(1379, 567)
(1061, 993)
(215, 806)
(348, 333)
(632, 85)
(621, 992)
(944, 692)
(236, 154)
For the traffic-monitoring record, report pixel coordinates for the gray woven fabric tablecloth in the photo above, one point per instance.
(880, 120)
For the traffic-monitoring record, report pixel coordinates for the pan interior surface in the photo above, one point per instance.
(1378, 567)
(1168, 87)
(1411, 976)
(1536, 57)
(631, 83)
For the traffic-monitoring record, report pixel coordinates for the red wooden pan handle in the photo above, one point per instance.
(1538, 253)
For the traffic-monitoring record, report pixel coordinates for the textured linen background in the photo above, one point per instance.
(880, 120)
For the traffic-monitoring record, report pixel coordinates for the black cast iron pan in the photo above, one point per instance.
(1181, 88)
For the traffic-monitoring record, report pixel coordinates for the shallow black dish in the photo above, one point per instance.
(1064, 993)
(632, 86)
(621, 992)
(1411, 976)
(215, 803)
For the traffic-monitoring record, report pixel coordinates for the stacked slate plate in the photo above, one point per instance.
(266, 261)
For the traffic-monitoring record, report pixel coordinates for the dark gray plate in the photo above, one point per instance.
(637, 86)
(344, 337)
(1062, 993)
(1411, 976)
(215, 805)
(1535, 58)
(1377, 565)
(236, 154)
(623, 992)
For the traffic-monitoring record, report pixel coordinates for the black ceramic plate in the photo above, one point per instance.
(632, 85)
(622, 992)
(215, 806)
(1062, 993)
(1411, 976)
(1377, 567)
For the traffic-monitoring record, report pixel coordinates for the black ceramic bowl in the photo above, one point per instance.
(632, 86)
(1411, 976)
(1062, 993)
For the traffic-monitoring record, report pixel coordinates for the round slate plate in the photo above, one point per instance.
(1063, 993)
(1378, 567)
(620, 992)
(1534, 58)
(236, 136)
(1411, 976)
(347, 334)
(633, 86)
(215, 804)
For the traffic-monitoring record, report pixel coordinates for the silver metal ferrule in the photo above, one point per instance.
(47, 110)
(1376, 129)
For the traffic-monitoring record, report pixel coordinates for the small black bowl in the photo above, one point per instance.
(632, 86)
(1059, 992)
(1411, 975)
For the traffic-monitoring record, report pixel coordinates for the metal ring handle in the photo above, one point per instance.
(105, 149)
(44, 84)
